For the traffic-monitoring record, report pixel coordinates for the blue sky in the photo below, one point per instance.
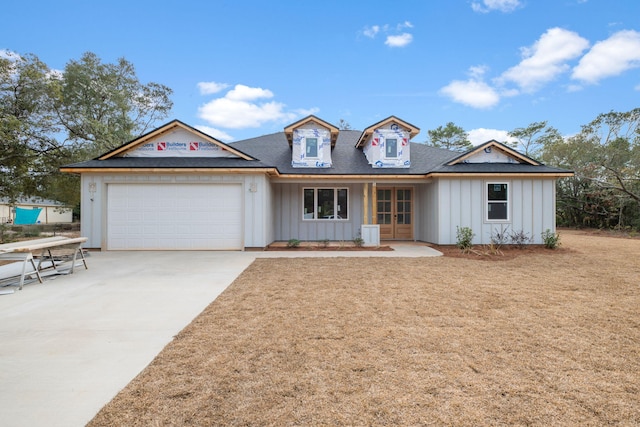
(246, 68)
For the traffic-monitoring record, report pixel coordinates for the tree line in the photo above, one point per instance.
(49, 118)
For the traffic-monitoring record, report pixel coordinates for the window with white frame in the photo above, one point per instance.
(325, 203)
(391, 148)
(311, 147)
(497, 201)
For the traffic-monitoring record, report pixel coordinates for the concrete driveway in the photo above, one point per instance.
(68, 346)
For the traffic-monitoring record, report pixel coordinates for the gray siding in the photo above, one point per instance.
(426, 212)
(462, 203)
(288, 215)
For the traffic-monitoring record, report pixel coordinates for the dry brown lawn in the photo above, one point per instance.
(543, 338)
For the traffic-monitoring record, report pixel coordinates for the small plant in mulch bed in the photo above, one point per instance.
(358, 241)
(520, 239)
(324, 243)
(293, 243)
(550, 239)
(464, 237)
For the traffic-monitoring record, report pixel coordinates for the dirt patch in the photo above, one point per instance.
(543, 338)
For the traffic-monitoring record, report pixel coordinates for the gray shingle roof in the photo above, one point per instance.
(273, 151)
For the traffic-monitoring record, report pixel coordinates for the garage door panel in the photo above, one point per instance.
(174, 216)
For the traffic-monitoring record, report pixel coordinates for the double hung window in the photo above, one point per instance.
(497, 201)
(325, 203)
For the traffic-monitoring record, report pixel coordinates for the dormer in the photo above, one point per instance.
(311, 140)
(386, 143)
(493, 152)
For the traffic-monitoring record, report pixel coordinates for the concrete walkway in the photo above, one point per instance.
(68, 346)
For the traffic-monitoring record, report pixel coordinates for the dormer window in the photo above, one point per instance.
(391, 148)
(311, 145)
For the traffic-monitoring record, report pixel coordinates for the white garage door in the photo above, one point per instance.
(174, 216)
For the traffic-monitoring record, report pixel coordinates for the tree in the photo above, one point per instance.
(605, 156)
(344, 125)
(451, 137)
(532, 139)
(27, 126)
(102, 106)
(49, 118)
(616, 137)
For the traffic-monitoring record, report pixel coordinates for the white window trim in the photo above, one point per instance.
(315, 203)
(317, 156)
(486, 202)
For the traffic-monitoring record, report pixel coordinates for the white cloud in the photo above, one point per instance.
(486, 6)
(610, 57)
(392, 40)
(482, 135)
(371, 31)
(473, 92)
(216, 133)
(399, 41)
(241, 108)
(246, 93)
(208, 88)
(546, 59)
(637, 88)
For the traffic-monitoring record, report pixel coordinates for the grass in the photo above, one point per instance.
(542, 338)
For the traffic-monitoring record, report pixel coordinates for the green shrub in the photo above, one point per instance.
(358, 241)
(551, 240)
(464, 237)
(293, 243)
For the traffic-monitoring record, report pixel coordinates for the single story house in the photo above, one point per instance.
(177, 188)
(50, 211)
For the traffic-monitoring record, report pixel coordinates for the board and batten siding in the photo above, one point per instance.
(288, 222)
(462, 203)
(256, 209)
(426, 212)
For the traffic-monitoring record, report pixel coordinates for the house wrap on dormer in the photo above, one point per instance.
(386, 144)
(311, 140)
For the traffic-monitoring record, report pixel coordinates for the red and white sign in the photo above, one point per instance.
(161, 146)
(193, 146)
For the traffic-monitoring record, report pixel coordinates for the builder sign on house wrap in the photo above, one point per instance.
(179, 144)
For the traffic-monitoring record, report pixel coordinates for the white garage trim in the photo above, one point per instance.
(163, 216)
